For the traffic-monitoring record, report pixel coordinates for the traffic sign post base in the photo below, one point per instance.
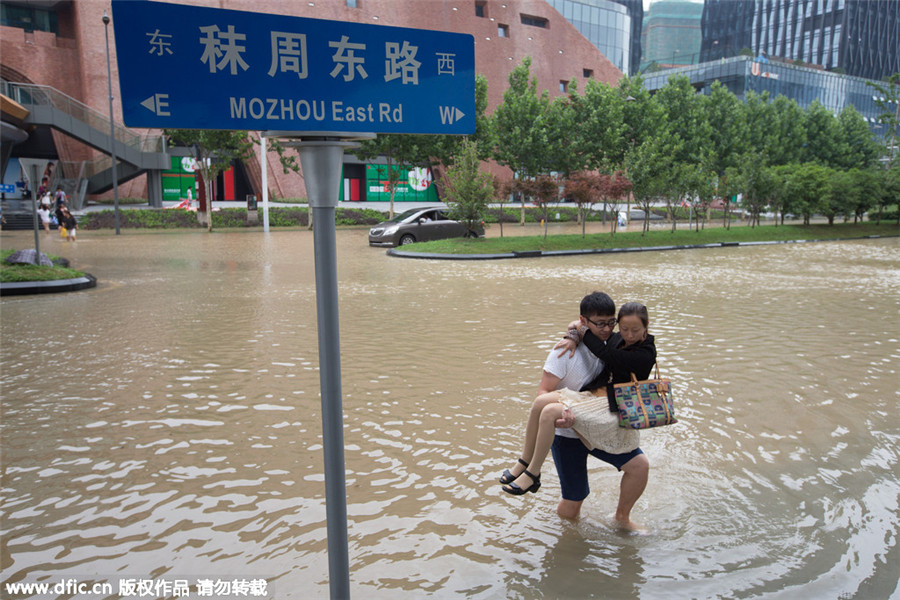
(32, 168)
(322, 158)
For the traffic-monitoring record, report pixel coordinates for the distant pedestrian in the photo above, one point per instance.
(60, 196)
(44, 213)
(58, 213)
(68, 221)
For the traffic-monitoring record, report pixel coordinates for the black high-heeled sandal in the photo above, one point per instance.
(515, 490)
(508, 477)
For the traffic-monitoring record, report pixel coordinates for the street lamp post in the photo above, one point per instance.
(112, 123)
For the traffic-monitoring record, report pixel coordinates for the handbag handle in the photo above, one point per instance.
(655, 365)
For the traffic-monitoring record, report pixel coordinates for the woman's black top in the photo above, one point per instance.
(619, 362)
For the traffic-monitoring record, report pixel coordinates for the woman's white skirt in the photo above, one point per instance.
(597, 425)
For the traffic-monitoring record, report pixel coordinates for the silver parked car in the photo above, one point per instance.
(419, 225)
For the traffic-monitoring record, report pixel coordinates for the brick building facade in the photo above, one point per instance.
(73, 60)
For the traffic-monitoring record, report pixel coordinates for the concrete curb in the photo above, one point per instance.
(21, 288)
(542, 253)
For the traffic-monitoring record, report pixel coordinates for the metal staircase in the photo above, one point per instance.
(136, 154)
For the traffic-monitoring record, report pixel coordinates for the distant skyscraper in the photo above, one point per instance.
(671, 34)
(861, 37)
(613, 26)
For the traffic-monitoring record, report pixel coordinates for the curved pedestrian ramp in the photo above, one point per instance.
(136, 154)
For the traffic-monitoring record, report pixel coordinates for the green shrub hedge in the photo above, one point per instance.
(222, 219)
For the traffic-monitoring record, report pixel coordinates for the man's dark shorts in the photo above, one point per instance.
(570, 456)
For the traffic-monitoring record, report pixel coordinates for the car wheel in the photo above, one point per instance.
(407, 239)
(471, 234)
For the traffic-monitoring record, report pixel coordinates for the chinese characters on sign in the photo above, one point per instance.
(264, 68)
(289, 55)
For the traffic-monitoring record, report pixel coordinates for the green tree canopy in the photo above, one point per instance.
(467, 189)
(215, 150)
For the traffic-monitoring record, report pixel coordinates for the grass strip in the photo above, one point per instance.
(709, 235)
(10, 273)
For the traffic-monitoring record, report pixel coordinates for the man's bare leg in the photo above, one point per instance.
(634, 480)
(569, 509)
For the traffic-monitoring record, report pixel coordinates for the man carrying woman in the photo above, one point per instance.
(569, 397)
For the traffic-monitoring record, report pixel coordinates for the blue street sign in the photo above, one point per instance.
(189, 67)
(7, 188)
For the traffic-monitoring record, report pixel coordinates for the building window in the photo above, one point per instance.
(564, 87)
(503, 31)
(352, 3)
(481, 8)
(534, 21)
(29, 19)
(587, 73)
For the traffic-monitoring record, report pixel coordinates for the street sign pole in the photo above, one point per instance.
(321, 157)
(264, 167)
(324, 84)
(34, 201)
(32, 170)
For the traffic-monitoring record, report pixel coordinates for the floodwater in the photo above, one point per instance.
(167, 425)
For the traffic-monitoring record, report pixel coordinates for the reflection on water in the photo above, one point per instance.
(167, 423)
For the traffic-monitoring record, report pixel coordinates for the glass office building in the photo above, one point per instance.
(671, 34)
(614, 27)
(858, 37)
(743, 74)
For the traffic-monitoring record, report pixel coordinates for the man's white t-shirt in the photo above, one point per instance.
(573, 373)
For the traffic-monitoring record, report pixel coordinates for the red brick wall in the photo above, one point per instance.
(75, 61)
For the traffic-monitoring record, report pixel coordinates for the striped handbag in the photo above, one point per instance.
(645, 404)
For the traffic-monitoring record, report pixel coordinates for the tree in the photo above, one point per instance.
(728, 132)
(889, 96)
(441, 149)
(214, 150)
(584, 188)
(432, 151)
(757, 182)
(787, 135)
(467, 189)
(697, 184)
(838, 192)
(398, 150)
(543, 190)
(680, 181)
(648, 165)
(519, 126)
(858, 148)
(501, 195)
(685, 119)
(806, 185)
(564, 153)
(866, 191)
(600, 123)
(758, 116)
(892, 188)
(643, 118)
(822, 136)
(613, 188)
(778, 198)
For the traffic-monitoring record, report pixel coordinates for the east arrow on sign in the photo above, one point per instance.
(189, 67)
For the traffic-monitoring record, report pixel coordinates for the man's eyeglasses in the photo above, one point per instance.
(601, 324)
